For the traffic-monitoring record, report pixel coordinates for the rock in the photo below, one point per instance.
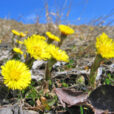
(37, 78)
(7, 110)
(102, 98)
(29, 112)
(72, 72)
(15, 109)
(99, 73)
(37, 64)
(58, 64)
(37, 75)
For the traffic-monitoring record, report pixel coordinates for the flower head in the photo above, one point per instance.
(15, 32)
(16, 74)
(105, 46)
(37, 48)
(22, 34)
(52, 36)
(66, 30)
(19, 42)
(38, 37)
(18, 50)
(57, 53)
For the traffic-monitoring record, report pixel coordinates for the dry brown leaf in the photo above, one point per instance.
(67, 96)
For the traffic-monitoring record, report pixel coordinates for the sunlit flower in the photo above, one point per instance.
(66, 30)
(18, 50)
(37, 48)
(19, 42)
(52, 36)
(57, 53)
(22, 34)
(15, 32)
(105, 46)
(16, 74)
(38, 36)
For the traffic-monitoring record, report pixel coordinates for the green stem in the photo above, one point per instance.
(63, 36)
(81, 110)
(13, 43)
(93, 72)
(17, 44)
(29, 61)
(48, 68)
(49, 41)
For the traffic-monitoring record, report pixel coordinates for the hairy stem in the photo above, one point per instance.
(93, 72)
(63, 36)
(48, 68)
(29, 61)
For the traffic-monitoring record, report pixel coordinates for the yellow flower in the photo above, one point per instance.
(19, 42)
(16, 74)
(22, 34)
(52, 36)
(38, 36)
(15, 32)
(41, 37)
(18, 50)
(105, 46)
(0, 41)
(66, 29)
(57, 53)
(37, 48)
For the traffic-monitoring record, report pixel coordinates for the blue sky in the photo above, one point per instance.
(81, 11)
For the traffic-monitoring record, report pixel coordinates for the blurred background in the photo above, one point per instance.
(75, 12)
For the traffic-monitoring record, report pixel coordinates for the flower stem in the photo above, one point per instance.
(48, 68)
(49, 41)
(13, 43)
(63, 36)
(93, 72)
(29, 61)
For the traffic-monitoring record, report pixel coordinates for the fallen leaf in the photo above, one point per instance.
(69, 97)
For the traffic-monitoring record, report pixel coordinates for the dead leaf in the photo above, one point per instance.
(45, 103)
(67, 96)
(39, 105)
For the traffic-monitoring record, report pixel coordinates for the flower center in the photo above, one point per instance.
(37, 49)
(15, 75)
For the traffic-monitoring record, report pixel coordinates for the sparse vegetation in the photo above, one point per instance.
(55, 68)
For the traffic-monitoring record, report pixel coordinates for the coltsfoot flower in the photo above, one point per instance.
(38, 36)
(66, 30)
(18, 50)
(16, 75)
(105, 46)
(22, 34)
(15, 32)
(19, 42)
(52, 36)
(37, 48)
(57, 53)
